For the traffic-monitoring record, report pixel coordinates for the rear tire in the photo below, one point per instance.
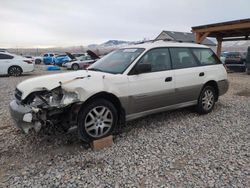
(96, 120)
(248, 71)
(206, 100)
(15, 71)
(75, 66)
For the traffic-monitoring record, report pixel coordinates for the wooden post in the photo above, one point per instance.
(219, 40)
(203, 37)
(197, 37)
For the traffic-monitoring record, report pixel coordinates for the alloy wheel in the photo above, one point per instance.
(75, 67)
(208, 99)
(98, 121)
(15, 71)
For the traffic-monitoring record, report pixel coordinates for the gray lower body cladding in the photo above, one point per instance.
(145, 104)
(153, 100)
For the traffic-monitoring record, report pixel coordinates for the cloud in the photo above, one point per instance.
(28, 23)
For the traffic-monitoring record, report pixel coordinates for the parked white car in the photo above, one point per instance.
(124, 85)
(14, 65)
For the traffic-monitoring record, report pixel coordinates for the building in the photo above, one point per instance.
(183, 37)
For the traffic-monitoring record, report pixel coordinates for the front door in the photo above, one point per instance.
(153, 89)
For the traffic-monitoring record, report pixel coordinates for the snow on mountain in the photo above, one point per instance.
(112, 44)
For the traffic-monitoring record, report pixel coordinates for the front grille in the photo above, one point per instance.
(18, 94)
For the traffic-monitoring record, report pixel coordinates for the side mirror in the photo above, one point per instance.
(143, 68)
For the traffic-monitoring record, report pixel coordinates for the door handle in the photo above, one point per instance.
(168, 79)
(202, 74)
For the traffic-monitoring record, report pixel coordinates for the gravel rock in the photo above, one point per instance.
(178, 148)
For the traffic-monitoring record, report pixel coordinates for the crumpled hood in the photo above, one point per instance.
(49, 82)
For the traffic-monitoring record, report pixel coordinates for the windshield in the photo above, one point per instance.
(117, 61)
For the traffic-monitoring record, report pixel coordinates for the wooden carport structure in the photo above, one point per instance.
(225, 31)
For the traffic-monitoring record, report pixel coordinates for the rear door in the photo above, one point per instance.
(189, 75)
(154, 89)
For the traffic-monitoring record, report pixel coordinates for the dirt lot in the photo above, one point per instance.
(177, 148)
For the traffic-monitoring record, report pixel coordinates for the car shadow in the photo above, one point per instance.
(23, 75)
(71, 142)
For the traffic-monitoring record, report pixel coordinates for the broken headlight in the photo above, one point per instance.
(54, 98)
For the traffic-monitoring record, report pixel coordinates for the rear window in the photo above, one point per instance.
(205, 56)
(5, 56)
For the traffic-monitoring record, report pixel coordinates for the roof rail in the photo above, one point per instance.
(164, 40)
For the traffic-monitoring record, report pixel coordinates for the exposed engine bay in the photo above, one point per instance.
(49, 107)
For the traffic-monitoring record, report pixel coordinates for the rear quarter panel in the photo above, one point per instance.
(215, 72)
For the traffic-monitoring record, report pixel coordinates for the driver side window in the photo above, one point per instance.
(158, 58)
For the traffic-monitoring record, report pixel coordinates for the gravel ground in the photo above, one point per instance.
(171, 149)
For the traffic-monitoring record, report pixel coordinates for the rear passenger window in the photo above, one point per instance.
(205, 56)
(158, 58)
(5, 56)
(182, 58)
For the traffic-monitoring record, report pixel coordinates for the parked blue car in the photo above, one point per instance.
(48, 58)
(53, 59)
(60, 59)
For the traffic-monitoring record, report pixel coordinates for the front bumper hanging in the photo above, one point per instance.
(22, 116)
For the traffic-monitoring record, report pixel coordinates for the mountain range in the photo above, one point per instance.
(110, 45)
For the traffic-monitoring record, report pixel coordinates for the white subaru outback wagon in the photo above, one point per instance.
(124, 85)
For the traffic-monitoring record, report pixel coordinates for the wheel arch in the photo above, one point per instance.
(15, 66)
(214, 84)
(111, 98)
(75, 64)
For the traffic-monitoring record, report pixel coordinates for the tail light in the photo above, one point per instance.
(27, 61)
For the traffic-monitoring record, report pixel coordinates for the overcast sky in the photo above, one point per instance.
(49, 23)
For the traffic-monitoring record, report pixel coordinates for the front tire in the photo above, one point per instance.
(15, 71)
(206, 100)
(96, 120)
(75, 66)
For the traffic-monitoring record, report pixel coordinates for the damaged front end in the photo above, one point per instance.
(43, 107)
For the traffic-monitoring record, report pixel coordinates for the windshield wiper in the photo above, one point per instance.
(95, 69)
